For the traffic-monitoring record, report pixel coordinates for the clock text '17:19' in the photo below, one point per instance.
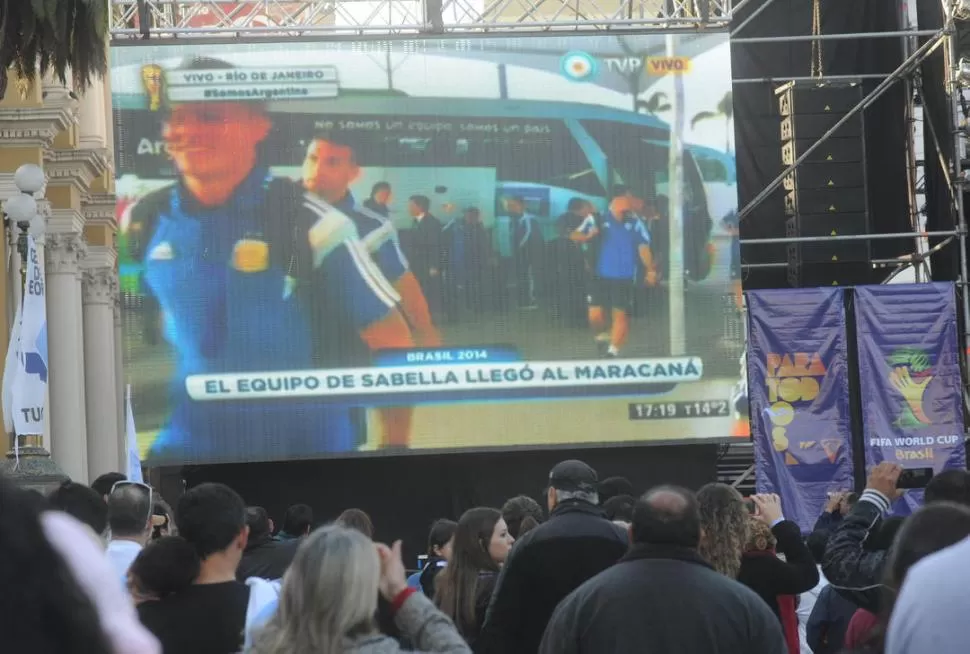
(689, 409)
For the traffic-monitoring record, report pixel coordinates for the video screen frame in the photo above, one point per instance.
(654, 406)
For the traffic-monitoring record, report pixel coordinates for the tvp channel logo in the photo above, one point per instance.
(578, 66)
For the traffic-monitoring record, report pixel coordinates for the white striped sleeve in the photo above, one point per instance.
(588, 226)
(371, 274)
(643, 232)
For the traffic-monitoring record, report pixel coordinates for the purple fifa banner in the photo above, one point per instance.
(909, 374)
(798, 387)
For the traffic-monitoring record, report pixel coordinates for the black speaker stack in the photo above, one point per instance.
(826, 195)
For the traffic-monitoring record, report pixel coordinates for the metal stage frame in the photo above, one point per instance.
(253, 18)
(174, 20)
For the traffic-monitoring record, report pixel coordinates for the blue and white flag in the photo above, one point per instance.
(131, 438)
(29, 394)
(10, 368)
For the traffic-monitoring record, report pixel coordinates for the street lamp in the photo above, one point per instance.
(27, 463)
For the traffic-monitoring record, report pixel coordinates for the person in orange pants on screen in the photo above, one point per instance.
(622, 246)
(329, 169)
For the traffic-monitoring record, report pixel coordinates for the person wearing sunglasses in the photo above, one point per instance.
(130, 521)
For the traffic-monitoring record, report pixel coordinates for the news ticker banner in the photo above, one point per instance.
(798, 389)
(453, 375)
(909, 373)
(211, 84)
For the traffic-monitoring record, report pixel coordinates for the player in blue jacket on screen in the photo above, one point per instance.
(251, 273)
(622, 247)
(329, 169)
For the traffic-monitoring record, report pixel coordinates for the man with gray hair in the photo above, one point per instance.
(130, 522)
(550, 561)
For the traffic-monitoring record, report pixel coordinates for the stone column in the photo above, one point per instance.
(70, 171)
(99, 287)
(91, 117)
(27, 128)
(98, 208)
(66, 412)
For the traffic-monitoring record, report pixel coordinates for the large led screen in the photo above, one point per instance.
(440, 244)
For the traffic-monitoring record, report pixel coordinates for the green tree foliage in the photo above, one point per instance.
(724, 110)
(41, 36)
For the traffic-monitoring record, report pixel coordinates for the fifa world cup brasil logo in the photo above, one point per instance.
(911, 374)
(152, 78)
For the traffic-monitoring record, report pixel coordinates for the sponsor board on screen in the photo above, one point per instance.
(338, 248)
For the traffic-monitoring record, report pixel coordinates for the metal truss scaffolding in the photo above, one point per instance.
(174, 18)
(953, 170)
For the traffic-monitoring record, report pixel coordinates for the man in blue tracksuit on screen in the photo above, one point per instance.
(622, 249)
(528, 245)
(251, 272)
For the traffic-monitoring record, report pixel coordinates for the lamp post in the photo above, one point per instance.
(27, 463)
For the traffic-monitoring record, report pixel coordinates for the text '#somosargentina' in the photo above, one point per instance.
(430, 379)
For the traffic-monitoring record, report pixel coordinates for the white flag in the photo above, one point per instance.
(131, 438)
(30, 383)
(10, 368)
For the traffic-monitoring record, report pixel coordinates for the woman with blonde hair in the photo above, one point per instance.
(329, 599)
(777, 582)
(724, 527)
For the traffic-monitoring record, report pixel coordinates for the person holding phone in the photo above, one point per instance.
(778, 582)
(847, 564)
(837, 507)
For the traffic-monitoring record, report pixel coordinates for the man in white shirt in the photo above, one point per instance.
(931, 612)
(130, 521)
(816, 542)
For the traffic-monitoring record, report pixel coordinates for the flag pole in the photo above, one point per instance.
(27, 462)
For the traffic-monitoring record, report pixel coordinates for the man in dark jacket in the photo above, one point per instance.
(663, 597)
(550, 561)
(264, 557)
(856, 571)
(826, 627)
(837, 507)
(424, 249)
(297, 523)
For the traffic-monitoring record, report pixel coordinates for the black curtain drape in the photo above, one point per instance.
(405, 494)
(757, 123)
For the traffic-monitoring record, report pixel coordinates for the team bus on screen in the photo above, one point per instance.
(543, 152)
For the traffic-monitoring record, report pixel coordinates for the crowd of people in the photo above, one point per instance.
(112, 569)
(586, 273)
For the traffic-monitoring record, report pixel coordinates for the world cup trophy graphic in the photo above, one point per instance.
(153, 77)
(910, 374)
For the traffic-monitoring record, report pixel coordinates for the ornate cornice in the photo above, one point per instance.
(34, 126)
(64, 221)
(64, 252)
(56, 94)
(99, 286)
(79, 167)
(99, 209)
